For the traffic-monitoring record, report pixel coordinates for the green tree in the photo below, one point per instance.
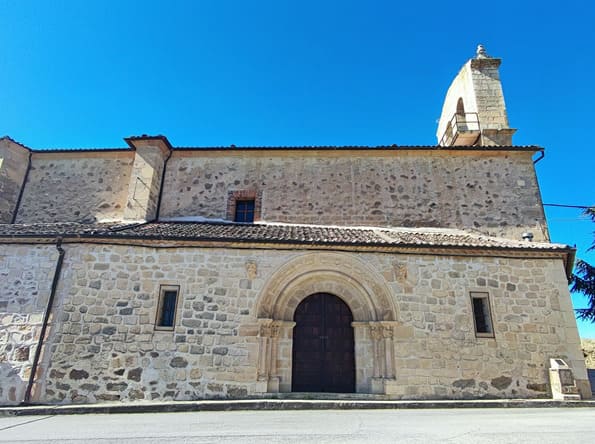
(583, 280)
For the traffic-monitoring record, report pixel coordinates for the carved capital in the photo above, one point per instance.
(264, 328)
(376, 331)
(388, 332)
(281, 328)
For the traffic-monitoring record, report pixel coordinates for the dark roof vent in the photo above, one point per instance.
(528, 236)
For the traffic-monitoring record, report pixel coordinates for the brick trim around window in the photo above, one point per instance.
(234, 196)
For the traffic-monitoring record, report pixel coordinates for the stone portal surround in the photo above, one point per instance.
(362, 290)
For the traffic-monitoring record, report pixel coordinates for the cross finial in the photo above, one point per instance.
(481, 52)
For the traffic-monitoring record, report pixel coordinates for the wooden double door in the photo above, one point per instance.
(323, 346)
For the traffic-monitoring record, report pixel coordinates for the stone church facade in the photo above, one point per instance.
(155, 272)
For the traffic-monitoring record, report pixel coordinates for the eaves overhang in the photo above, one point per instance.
(443, 242)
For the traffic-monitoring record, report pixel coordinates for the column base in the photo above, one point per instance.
(383, 386)
(260, 386)
(273, 384)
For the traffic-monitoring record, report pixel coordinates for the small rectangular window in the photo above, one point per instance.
(481, 315)
(244, 211)
(166, 310)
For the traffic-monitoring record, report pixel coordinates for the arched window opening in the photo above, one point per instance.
(461, 118)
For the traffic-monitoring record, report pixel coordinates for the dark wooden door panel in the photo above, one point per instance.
(323, 346)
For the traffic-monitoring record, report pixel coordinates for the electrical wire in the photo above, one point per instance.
(582, 207)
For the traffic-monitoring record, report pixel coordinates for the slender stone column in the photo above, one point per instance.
(364, 356)
(264, 333)
(274, 337)
(388, 334)
(377, 382)
(379, 361)
(273, 380)
(384, 375)
(283, 345)
(275, 329)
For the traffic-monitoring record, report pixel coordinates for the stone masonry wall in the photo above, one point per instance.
(493, 193)
(26, 275)
(488, 93)
(106, 347)
(440, 357)
(76, 188)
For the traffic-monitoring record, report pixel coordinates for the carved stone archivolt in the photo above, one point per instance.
(360, 286)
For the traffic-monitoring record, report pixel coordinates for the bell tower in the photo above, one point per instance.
(474, 112)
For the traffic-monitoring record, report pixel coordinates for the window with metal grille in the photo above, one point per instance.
(244, 211)
(482, 317)
(166, 312)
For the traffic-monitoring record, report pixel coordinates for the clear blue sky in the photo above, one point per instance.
(88, 73)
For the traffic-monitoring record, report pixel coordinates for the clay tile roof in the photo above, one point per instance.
(254, 232)
(360, 147)
(393, 147)
(53, 229)
(276, 233)
(78, 150)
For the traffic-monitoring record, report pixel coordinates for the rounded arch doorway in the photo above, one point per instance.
(323, 346)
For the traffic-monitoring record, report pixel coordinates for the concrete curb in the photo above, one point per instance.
(278, 404)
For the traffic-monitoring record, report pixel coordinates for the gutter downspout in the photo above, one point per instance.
(541, 156)
(162, 185)
(46, 317)
(22, 191)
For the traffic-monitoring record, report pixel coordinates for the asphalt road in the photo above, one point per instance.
(518, 425)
